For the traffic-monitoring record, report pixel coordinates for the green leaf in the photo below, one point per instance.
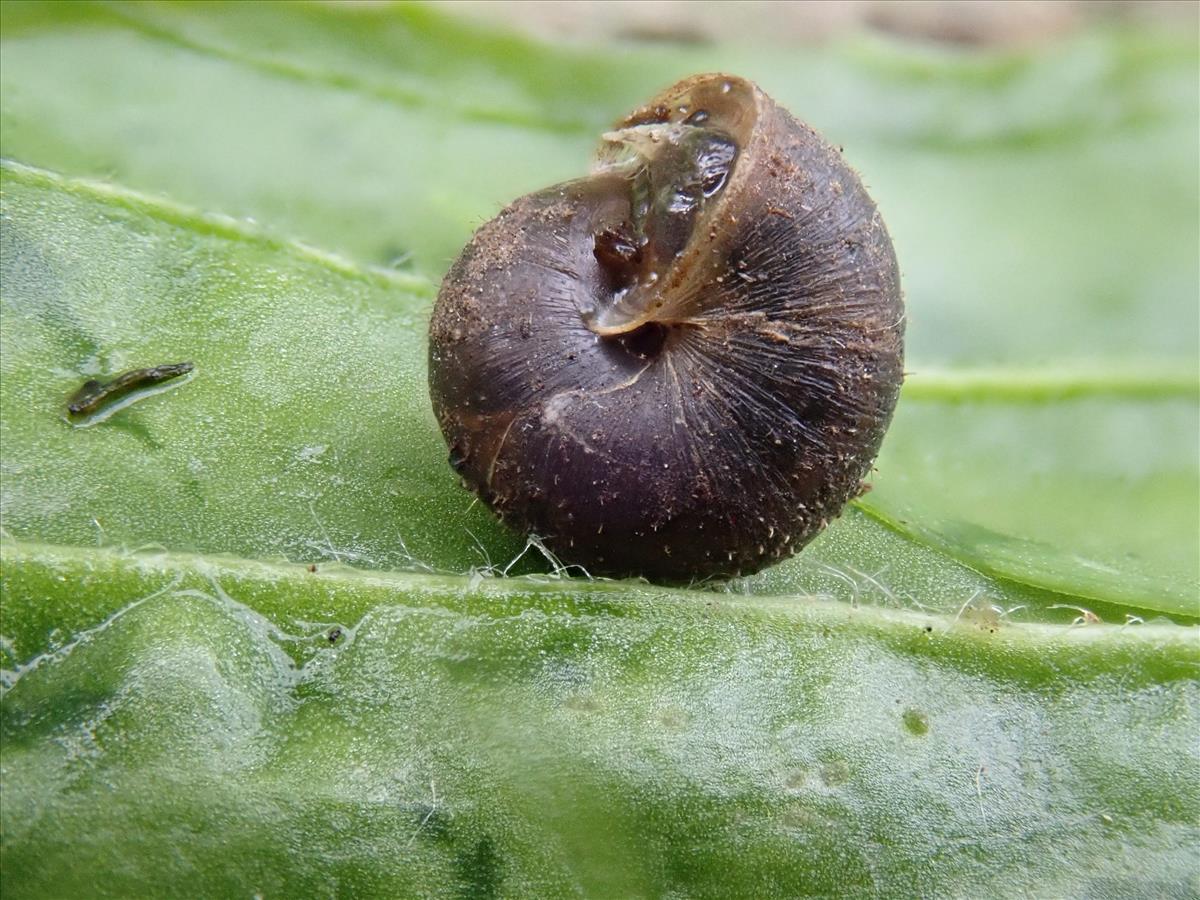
(386, 131)
(307, 419)
(525, 739)
(173, 708)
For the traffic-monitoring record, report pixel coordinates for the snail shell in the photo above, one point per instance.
(681, 365)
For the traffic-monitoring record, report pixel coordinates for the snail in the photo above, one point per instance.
(682, 365)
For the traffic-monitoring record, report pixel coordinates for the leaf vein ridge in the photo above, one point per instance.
(206, 223)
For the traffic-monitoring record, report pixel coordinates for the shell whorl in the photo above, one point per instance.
(683, 364)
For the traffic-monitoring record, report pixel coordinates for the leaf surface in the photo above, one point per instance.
(523, 739)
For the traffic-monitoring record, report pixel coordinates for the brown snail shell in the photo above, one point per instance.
(683, 364)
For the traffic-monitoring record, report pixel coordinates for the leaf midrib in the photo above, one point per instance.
(400, 584)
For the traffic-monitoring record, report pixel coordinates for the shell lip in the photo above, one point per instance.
(731, 106)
